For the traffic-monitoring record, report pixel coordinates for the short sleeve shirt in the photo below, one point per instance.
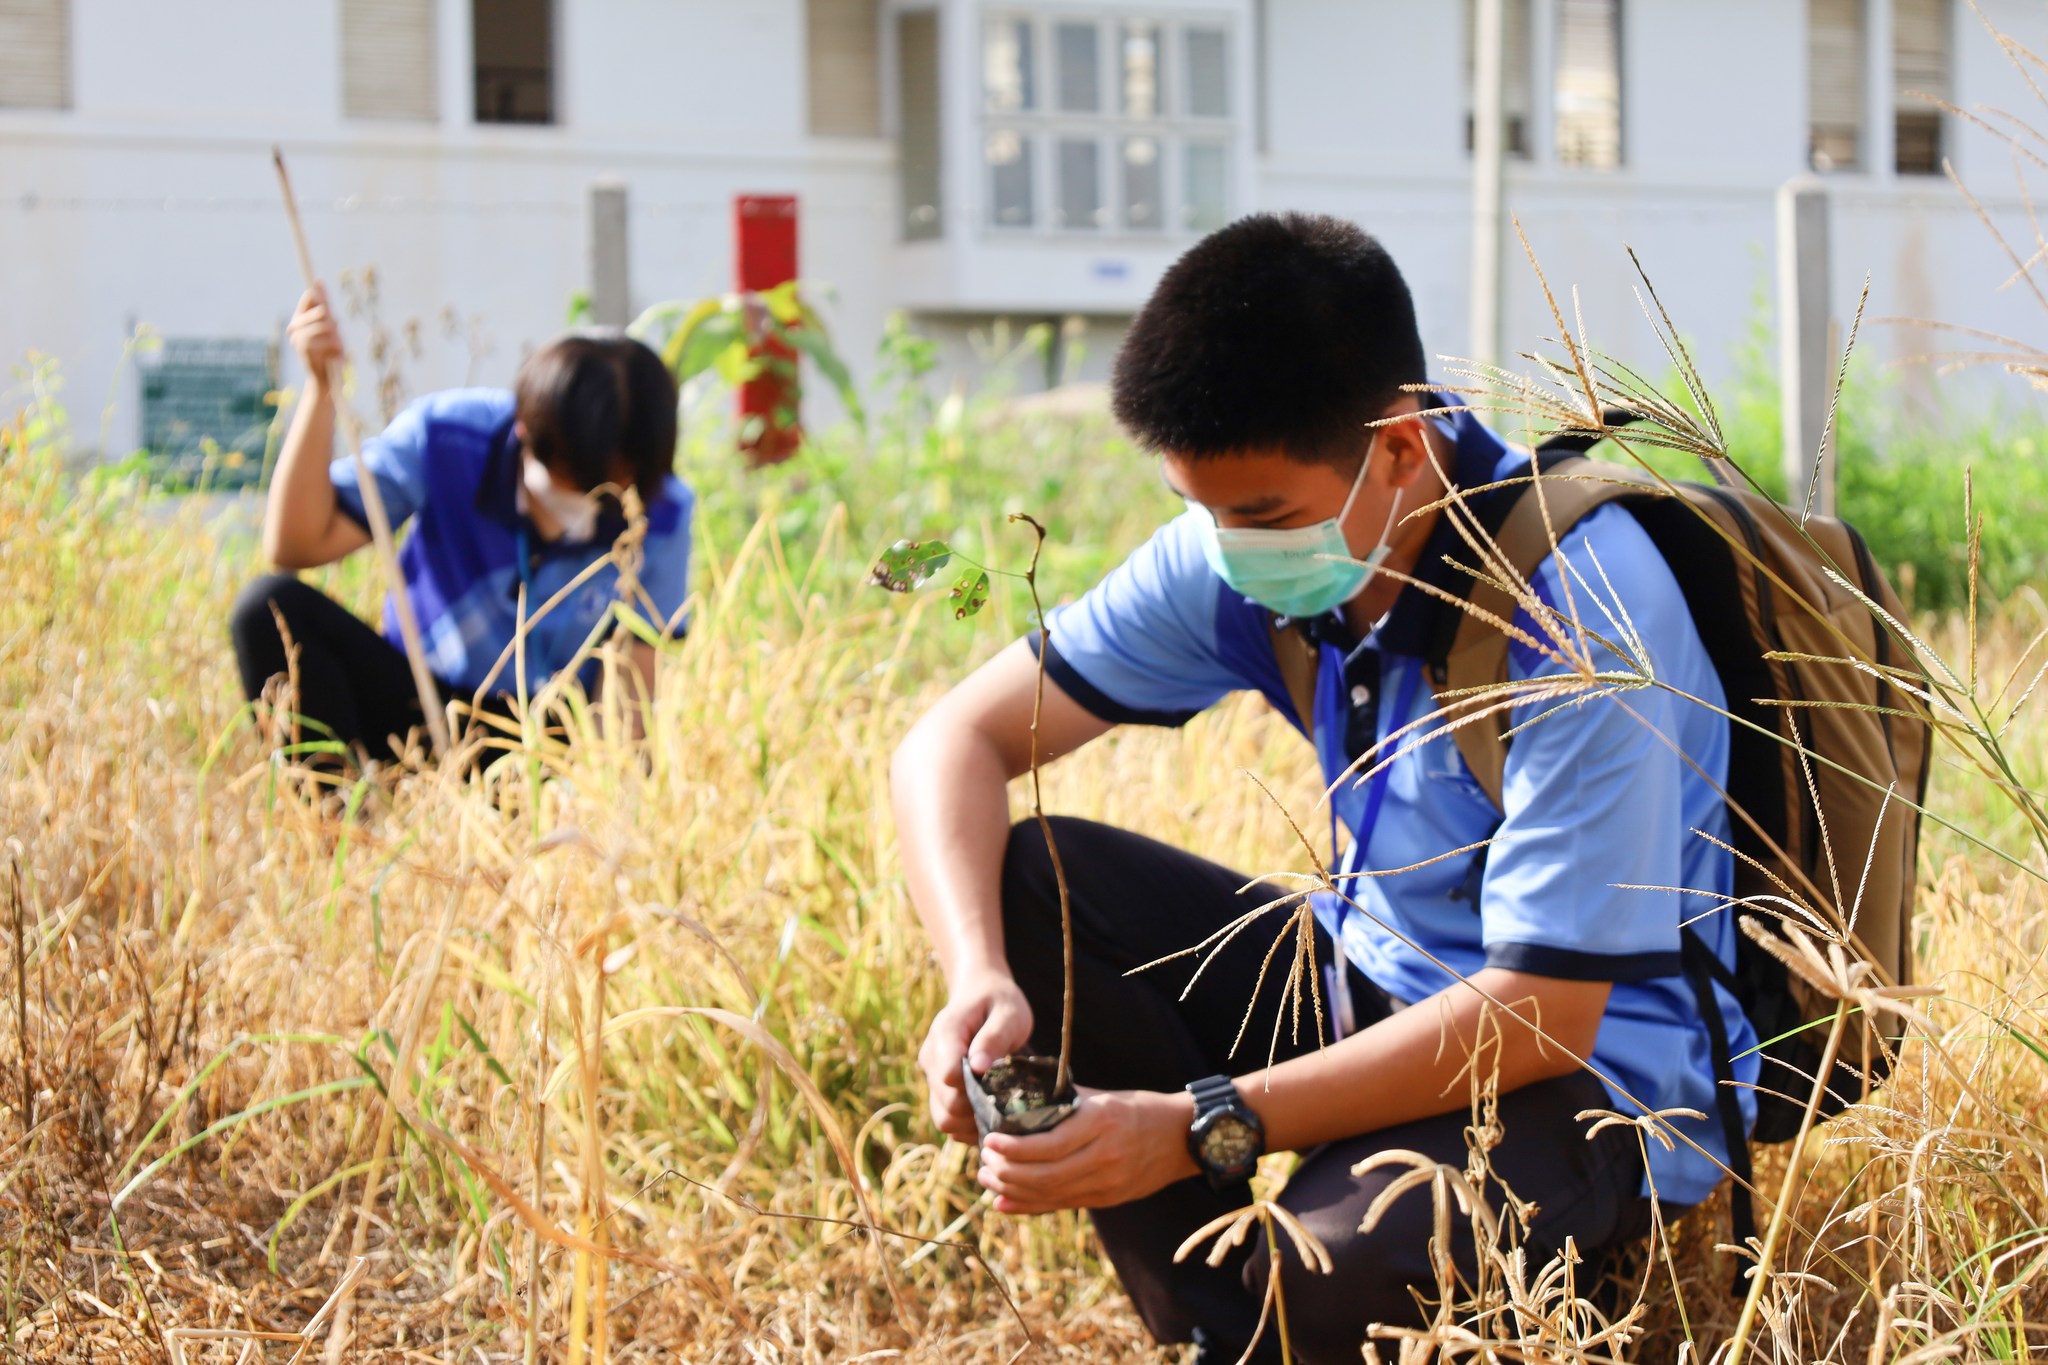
(450, 466)
(1608, 845)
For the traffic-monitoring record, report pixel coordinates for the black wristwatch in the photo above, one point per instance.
(1226, 1139)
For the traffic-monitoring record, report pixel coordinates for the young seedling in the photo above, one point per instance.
(1020, 1093)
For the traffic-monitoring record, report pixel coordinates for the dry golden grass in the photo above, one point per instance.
(636, 1013)
(205, 935)
(607, 1053)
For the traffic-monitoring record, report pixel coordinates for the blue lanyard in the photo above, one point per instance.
(526, 561)
(1376, 786)
(1361, 844)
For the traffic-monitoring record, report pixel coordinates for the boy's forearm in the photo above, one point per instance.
(1418, 1062)
(301, 503)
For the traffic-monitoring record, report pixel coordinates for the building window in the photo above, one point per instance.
(1206, 198)
(1009, 178)
(1139, 63)
(1920, 43)
(843, 45)
(917, 114)
(389, 68)
(1208, 73)
(1835, 63)
(1080, 173)
(1106, 123)
(514, 46)
(1587, 97)
(1080, 67)
(35, 54)
(1144, 184)
(1516, 57)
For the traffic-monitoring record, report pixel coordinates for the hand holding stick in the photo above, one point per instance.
(373, 497)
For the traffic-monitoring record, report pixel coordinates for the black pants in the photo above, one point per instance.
(1135, 900)
(352, 681)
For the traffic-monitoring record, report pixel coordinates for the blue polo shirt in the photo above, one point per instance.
(450, 464)
(1598, 804)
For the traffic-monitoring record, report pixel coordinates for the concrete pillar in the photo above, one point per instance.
(611, 303)
(1805, 353)
(1880, 87)
(458, 64)
(1489, 157)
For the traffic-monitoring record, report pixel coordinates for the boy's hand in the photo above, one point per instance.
(314, 334)
(986, 1018)
(1119, 1145)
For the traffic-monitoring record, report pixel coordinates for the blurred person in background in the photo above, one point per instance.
(507, 490)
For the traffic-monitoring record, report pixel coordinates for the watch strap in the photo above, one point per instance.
(1213, 1093)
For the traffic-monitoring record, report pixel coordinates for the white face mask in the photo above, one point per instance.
(575, 513)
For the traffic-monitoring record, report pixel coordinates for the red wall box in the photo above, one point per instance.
(764, 256)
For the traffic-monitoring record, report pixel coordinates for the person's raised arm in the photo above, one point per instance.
(949, 782)
(303, 524)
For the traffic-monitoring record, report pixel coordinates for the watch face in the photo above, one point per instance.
(1229, 1143)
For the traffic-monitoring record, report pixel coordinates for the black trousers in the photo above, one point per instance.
(1136, 900)
(352, 681)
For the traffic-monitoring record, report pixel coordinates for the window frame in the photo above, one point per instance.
(1044, 124)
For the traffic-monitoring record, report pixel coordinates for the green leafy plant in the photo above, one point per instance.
(745, 336)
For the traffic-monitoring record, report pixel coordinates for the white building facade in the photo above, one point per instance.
(964, 160)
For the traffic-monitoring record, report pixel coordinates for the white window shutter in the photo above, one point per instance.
(35, 54)
(1919, 52)
(919, 141)
(1834, 82)
(389, 66)
(1588, 84)
(843, 40)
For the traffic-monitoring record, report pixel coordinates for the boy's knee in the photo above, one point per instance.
(252, 617)
(1028, 877)
(1330, 1317)
(1373, 1280)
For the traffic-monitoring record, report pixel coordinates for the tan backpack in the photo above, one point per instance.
(1772, 620)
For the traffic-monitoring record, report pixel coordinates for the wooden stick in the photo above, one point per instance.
(373, 496)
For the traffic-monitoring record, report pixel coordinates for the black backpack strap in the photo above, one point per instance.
(1702, 968)
(1579, 442)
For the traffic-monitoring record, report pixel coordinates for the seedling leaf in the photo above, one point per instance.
(910, 564)
(970, 593)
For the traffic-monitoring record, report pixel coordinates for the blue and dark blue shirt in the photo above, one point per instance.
(451, 464)
(1614, 833)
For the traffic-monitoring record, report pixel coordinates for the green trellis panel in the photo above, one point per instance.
(206, 409)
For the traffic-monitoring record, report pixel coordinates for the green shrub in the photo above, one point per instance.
(1900, 479)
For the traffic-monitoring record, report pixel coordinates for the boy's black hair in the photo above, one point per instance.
(587, 397)
(1283, 332)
